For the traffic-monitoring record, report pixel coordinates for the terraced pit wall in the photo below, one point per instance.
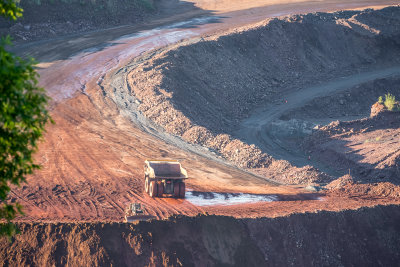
(202, 89)
(364, 237)
(44, 19)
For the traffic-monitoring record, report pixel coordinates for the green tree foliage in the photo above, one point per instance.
(9, 9)
(23, 116)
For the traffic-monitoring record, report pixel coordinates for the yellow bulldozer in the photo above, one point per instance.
(136, 212)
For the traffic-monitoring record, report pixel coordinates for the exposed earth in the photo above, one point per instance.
(227, 92)
(271, 116)
(312, 239)
(52, 19)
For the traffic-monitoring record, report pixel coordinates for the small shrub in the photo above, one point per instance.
(380, 100)
(390, 101)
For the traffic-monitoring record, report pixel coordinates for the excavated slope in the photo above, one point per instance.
(369, 148)
(203, 89)
(364, 237)
(44, 19)
(368, 145)
(353, 102)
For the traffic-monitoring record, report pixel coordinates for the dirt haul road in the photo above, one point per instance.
(202, 89)
(256, 129)
(92, 157)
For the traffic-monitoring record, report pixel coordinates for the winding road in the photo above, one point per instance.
(67, 64)
(254, 130)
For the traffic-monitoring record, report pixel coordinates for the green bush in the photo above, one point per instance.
(380, 100)
(390, 101)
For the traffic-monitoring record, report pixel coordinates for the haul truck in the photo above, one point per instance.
(164, 177)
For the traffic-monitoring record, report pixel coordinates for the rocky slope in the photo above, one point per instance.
(364, 237)
(201, 90)
(368, 148)
(46, 19)
(354, 102)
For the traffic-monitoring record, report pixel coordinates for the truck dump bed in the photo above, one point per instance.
(167, 169)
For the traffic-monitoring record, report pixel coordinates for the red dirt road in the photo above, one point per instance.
(93, 167)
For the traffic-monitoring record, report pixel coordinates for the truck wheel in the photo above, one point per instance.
(182, 190)
(160, 190)
(176, 190)
(146, 184)
(153, 189)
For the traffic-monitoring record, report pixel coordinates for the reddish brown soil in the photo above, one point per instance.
(364, 237)
(92, 161)
(92, 168)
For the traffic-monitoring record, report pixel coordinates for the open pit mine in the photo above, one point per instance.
(212, 133)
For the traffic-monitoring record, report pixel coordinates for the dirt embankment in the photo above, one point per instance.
(346, 185)
(350, 103)
(44, 19)
(202, 90)
(364, 237)
(368, 148)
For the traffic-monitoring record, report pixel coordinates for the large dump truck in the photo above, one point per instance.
(164, 177)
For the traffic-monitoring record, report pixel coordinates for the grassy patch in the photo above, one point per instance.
(390, 101)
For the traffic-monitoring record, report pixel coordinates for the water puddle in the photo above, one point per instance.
(212, 198)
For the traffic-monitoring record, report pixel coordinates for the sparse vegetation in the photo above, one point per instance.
(390, 102)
